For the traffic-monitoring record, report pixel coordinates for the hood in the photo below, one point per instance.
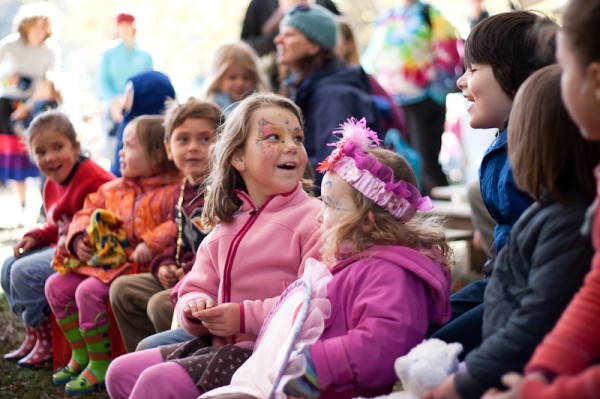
(150, 91)
(435, 275)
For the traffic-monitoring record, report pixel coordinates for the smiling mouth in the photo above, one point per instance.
(287, 166)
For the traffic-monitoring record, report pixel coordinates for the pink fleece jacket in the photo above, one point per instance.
(381, 305)
(252, 259)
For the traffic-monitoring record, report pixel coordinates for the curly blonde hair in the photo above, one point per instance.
(422, 233)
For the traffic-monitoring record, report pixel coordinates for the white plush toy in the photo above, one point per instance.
(425, 367)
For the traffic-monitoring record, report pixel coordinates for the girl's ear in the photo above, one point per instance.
(237, 161)
(594, 73)
(77, 146)
(369, 222)
(168, 149)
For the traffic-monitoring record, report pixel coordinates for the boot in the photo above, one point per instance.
(41, 354)
(26, 346)
(79, 353)
(97, 342)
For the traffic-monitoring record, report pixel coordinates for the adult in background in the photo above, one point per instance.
(327, 91)
(119, 62)
(26, 56)
(413, 54)
(261, 25)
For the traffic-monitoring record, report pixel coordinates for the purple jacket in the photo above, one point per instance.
(381, 306)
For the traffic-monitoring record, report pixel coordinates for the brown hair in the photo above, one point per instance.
(176, 114)
(220, 200)
(547, 152)
(150, 132)
(345, 31)
(513, 45)
(234, 54)
(581, 24)
(421, 233)
(54, 120)
(30, 13)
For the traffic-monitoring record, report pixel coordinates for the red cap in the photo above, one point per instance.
(125, 18)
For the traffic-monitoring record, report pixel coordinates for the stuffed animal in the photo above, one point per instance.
(425, 367)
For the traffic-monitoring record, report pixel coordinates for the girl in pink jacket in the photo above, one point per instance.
(264, 229)
(390, 270)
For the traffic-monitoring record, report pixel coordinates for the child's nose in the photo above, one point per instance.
(461, 82)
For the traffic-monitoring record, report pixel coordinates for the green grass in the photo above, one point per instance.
(22, 383)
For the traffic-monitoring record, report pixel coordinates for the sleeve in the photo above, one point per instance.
(559, 261)
(514, 202)
(447, 59)
(167, 257)
(44, 236)
(583, 385)
(384, 323)
(252, 31)
(254, 312)
(569, 348)
(201, 282)
(159, 237)
(81, 219)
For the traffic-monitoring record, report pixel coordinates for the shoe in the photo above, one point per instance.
(41, 354)
(26, 346)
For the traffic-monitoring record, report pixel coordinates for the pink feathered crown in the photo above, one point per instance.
(351, 161)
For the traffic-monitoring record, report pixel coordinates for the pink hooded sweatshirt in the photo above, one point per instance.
(252, 259)
(381, 306)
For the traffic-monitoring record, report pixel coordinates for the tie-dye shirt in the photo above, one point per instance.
(411, 57)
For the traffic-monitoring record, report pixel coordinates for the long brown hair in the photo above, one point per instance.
(547, 152)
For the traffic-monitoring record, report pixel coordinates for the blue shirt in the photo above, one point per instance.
(117, 65)
(503, 199)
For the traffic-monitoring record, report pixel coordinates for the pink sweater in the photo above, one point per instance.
(381, 306)
(252, 259)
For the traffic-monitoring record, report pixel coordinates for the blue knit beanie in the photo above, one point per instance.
(315, 22)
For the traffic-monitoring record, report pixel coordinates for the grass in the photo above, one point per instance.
(22, 383)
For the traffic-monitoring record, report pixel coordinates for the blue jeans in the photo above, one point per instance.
(467, 317)
(169, 337)
(23, 281)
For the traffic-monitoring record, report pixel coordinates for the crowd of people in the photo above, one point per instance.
(213, 206)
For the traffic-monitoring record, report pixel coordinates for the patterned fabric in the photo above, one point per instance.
(414, 54)
(108, 240)
(210, 366)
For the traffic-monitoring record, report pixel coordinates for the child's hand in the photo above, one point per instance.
(83, 248)
(222, 320)
(514, 382)
(142, 254)
(167, 275)
(21, 113)
(179, 273)
(26, 244)
(446, 390)
(193, 308)
(61, 245)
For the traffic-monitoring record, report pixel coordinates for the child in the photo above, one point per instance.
(544, 262)
(235, 73)
(374, 244)
(565, 364)
(264, 231)
(145, 94)
(500, 53)
(143, 201)
(140, 302)
(71, 176)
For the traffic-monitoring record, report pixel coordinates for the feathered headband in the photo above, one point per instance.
(351, 161)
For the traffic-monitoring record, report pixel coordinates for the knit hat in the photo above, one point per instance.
(123, 17)
(315, 22)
